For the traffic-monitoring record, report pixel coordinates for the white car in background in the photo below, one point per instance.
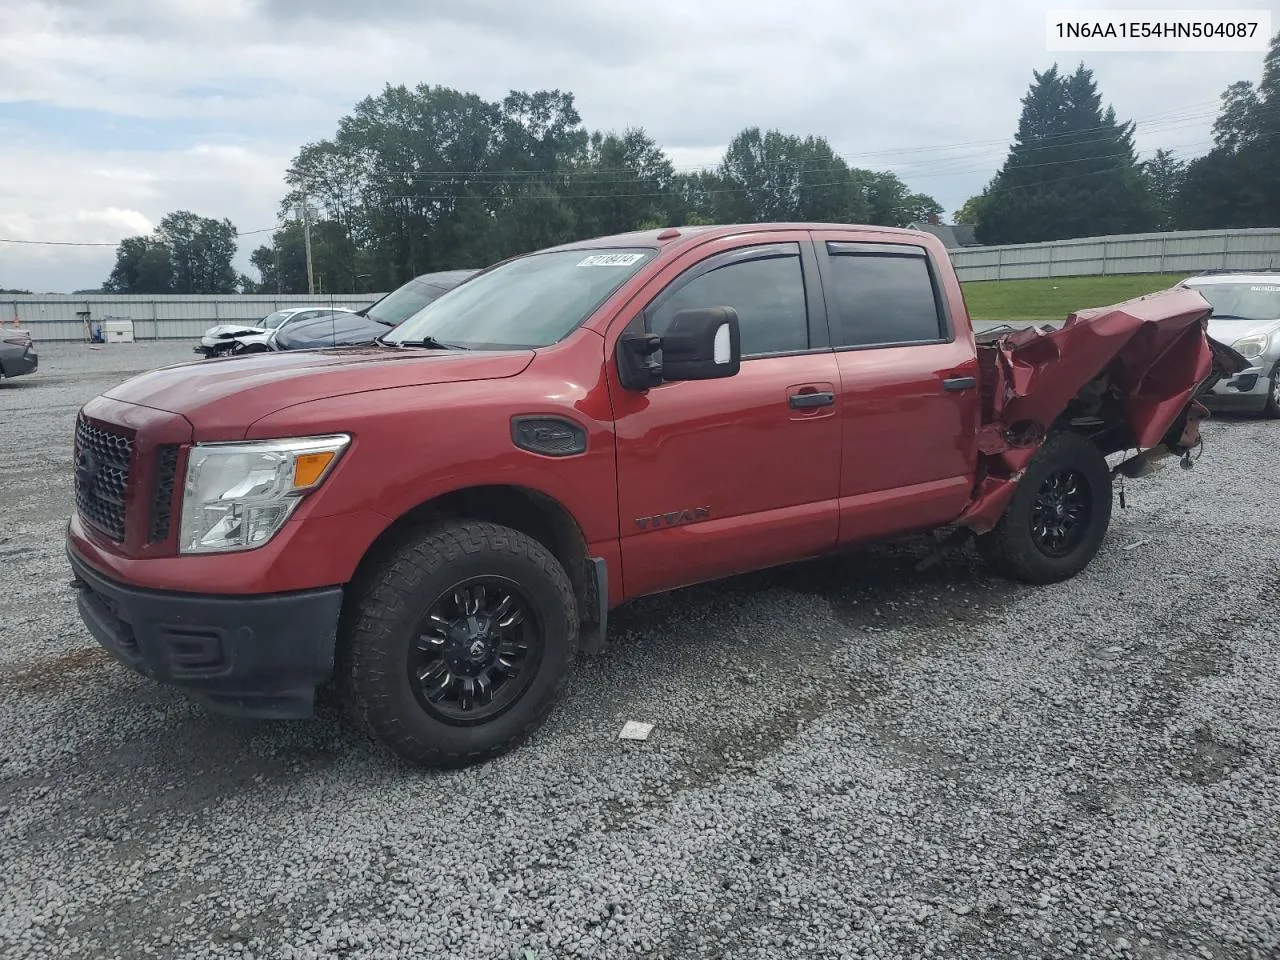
(226, 339)
(1246, 317)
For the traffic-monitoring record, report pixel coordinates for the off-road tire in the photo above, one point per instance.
(1011, 547)
(388, 609)
(1272, 408)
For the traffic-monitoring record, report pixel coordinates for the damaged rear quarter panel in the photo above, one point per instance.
(1143, 360)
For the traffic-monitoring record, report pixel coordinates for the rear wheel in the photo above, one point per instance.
(1058, 516)
(460, 644)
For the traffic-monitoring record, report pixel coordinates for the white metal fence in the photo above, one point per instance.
(52, 318)
(1181, 251)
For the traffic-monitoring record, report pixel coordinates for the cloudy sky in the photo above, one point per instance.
(115, 112)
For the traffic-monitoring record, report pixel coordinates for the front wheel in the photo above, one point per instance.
(1272, 409)
(1058, 516)
(460, 644)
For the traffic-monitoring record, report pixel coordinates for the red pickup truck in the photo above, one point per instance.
(441, 521)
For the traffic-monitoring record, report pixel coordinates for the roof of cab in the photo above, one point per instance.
(653, 238)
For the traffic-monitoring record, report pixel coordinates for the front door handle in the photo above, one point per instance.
(959, 383)
(803, 401)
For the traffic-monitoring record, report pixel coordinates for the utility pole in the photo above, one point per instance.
(305, 210)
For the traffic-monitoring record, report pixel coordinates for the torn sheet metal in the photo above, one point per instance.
(1152, 355)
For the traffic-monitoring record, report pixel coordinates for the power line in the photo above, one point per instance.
(945, 168)
(59, 243)
(941, 171)
(1110, 169)
(106, 243)
(449, 198)
(491, 182)
(1174, 117)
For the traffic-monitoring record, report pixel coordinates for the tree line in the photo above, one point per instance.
(1072, 170)
(431, 178)
(435, 179)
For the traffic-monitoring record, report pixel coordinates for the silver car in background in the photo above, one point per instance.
(1246, 317)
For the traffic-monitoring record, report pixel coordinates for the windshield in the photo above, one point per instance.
(1249, 301)
(274, 320)
(534, 301)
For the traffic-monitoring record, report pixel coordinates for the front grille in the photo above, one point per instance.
(103, 460)
(162, 497)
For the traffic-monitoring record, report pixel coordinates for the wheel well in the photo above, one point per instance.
(535, 514)
(1097, 413)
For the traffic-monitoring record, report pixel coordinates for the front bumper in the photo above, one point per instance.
(29, 362)
(1246, 390)
(252, 656)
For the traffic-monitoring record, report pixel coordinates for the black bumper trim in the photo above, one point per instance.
(25, 364)
(251, 656)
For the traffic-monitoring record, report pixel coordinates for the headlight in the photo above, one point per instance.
(237, 496)
(1251, 348)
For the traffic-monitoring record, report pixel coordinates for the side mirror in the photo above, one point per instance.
(700, 344)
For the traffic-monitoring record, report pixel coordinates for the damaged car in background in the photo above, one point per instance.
(230, 339)
(18, 355)
(441, 521)
(367, 325)
(1246, 315)
(309, 328)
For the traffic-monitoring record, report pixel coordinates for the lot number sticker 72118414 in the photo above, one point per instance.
(610, 259)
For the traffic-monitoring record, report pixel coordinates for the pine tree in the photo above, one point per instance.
(1072, 170)
(1164, 173)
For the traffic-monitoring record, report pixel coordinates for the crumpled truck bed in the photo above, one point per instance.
(1127, 374)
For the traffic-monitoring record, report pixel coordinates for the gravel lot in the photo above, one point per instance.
(850, 759)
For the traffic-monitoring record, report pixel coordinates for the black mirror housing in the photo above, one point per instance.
(702, 344)
(699, 344)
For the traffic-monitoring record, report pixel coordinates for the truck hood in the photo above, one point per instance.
(223, 397)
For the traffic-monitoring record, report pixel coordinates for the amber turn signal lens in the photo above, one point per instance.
(309, 467)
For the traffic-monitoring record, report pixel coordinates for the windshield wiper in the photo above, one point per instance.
(431, 343)
(1228, 316)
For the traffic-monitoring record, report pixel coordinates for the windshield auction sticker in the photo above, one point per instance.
(610, 259)
(1148, 31)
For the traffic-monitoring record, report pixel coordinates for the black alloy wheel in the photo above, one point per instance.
(456, 643)
(1060, 513)
(476, 651)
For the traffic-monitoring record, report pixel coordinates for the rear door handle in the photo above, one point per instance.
(803, 401)
(959, 383)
